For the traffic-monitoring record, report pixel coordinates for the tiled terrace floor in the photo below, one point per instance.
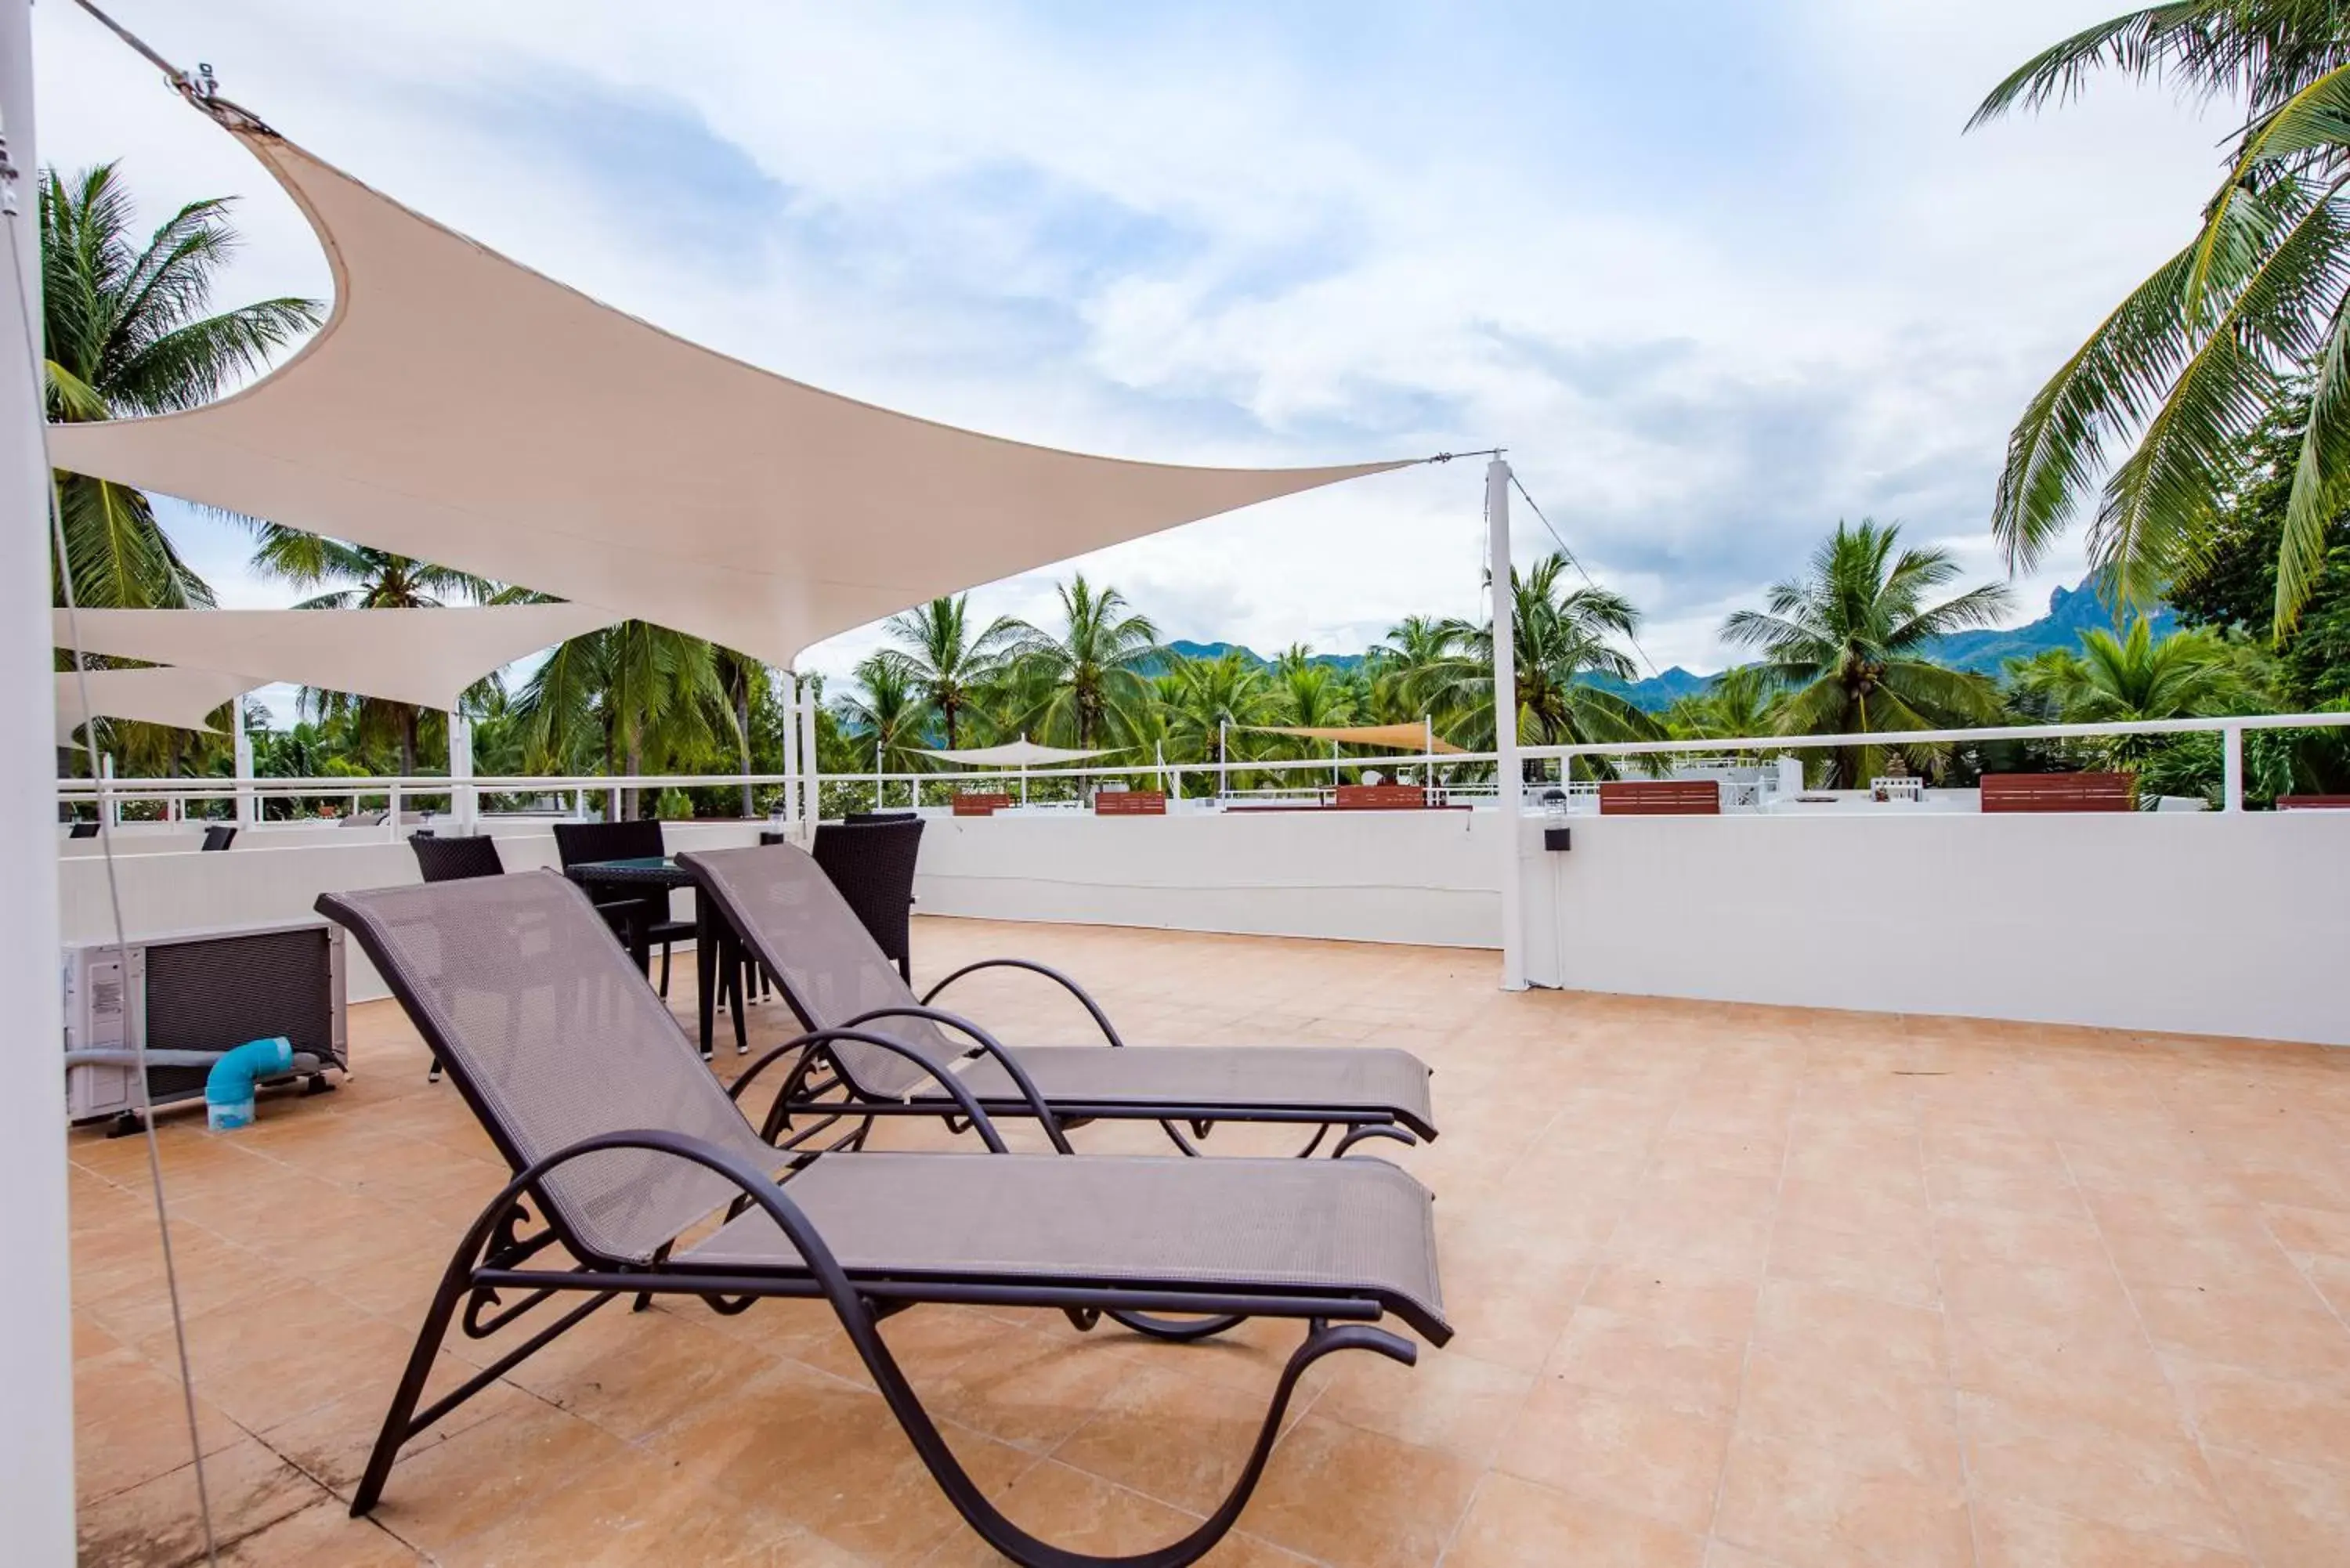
(1734, 1286)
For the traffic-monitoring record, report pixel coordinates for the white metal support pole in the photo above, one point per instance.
(244, 741)
(2232, 768)
(37, 1467)
(1428, 758)
(1223, 758)
(1505, 726)
(811, 769)
(465, 801)
(790, 748)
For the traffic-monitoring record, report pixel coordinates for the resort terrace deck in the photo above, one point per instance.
(1734, 1286)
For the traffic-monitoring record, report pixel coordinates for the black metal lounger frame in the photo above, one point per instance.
(494, 1250)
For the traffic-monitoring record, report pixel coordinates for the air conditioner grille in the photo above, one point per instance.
(216, 993)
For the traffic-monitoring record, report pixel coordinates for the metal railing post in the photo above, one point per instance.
(2232, 768)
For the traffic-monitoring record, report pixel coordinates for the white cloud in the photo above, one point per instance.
(1710, 306)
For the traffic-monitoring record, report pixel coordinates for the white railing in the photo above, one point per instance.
(1439, 772)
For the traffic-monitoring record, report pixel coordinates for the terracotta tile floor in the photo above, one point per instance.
(1734, 1286)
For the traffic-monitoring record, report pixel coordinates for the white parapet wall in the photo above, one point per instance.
(2210, 923)
(261, 883)
(1430, 877)
(2214, 923)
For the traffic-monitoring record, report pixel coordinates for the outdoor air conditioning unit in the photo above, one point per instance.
(190, 997)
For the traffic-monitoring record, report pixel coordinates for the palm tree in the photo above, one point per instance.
(1204, 699)
(2256, 305)
(1736, 706)
(126, 333)
(1082, 685)
(370, 579)
(629, 698)
(884, 709)
(2121, 680)
(955, 671)
(1398, 665)
(1850, 643)
(1563, 640)
(1310, 695)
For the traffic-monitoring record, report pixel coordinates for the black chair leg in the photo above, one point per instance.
(905, 967)
(664, 979)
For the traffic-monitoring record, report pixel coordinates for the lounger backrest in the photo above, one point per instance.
(553, 1035)
(827, 963)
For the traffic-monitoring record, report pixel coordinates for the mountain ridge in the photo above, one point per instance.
(2071, 613)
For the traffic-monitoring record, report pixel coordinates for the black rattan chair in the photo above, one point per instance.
(82, 830)
(861, 818)
(872, 863)
(579, 842)
(218, 837)
(453, 859)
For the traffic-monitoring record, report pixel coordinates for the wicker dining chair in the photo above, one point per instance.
(454, 859)
(579, 842)
(872, 863)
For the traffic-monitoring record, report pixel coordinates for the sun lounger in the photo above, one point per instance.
(622, 1145)
(835, 979)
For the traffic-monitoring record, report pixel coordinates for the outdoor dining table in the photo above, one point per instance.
(713, 937)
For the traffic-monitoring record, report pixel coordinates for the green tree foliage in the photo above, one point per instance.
(1084, 682)
(1562, 637)
(2226, 331)
(127, 333)
(365, 578)
(1850, 643)
(957, 672)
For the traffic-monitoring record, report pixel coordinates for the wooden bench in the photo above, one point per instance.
(1660, 797)
(2313, 802)
(1130, 802)
(1381, 797)
(2059, 791)
(980, 804)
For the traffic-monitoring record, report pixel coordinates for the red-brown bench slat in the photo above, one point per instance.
(1381, 797)
(2313, 802)
(2059, 791)
(980, 804)
(1130, 802)
(1660, 797)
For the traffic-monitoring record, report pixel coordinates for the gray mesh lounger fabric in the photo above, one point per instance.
(555, 1036)
(1356, 1226)
(789, 914)
(1322, 1077)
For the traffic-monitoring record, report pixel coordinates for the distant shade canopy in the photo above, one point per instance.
(1020, 754)
(427, 656)
(184, 699)
(1391, 737)
(618, 465)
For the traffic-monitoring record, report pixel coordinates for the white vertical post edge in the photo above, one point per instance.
(790, 696)
(244, 741)
(37, 1431)
(2232, 768)
(1508, 768)
(464, 800)
(811, 767)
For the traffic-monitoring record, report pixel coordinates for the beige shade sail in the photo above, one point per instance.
(184, 699)
(1392, 737)
(1023, 752)
(427, 656)
(618, 465)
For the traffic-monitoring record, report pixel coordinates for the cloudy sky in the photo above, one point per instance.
(1716, 272)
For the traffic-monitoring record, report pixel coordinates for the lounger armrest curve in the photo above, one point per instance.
(756, 1185)
(1101, 1018)
(994, 1047)
(964, 1101)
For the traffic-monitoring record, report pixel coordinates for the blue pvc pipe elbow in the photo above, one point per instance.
(228, 1087)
